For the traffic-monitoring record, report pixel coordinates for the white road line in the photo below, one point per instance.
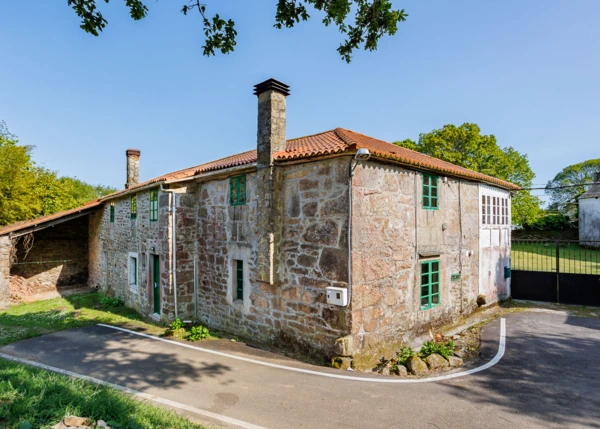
(494, 361)
(137, 393)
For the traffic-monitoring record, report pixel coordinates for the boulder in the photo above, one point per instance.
(455, 361)
(435, 361)
(72, 421)
(416, 366)
(401, 371)
(341, 362)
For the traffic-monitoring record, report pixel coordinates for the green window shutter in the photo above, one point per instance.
(112, 212)
(237, 190)
(430, 284)
(430, 192)
(133, 207)
(240, 280)
(154, 205)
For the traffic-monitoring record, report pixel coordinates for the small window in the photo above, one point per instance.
(488, 210)
(430, 284)
(133, 271)
(237, 190)
(430, 192)
(133, 207)
(154, 205)
(483, 209)
(104, 262)
(239, 280)
(112, 212)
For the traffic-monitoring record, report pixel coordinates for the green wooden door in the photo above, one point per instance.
(156, 282)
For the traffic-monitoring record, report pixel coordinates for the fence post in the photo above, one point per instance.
(557, 272)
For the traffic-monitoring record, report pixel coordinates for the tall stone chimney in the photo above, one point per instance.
(271, 119)
(133, 167)
(270, 140)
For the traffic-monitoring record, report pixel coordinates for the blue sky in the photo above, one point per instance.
(525, 71)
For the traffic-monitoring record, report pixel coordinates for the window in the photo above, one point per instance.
(237, 190)
(494, 210)
(430, 284)
(239, 280)
(430, 192)
(154, 205)
(112, 212)
(133, 207)
(104, 262)
(133, 270)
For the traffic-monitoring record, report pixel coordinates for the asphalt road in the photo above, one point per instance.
(548, 377)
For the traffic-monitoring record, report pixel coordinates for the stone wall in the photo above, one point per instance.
(58, 258)
(391, 235)
(292, 310)
(116, 240)
(5, 250)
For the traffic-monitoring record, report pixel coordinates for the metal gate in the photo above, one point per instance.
(562, 271)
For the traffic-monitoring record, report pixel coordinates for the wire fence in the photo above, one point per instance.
(561, 256)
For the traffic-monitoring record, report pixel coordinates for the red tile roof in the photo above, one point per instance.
(40, 220)
(330, 142)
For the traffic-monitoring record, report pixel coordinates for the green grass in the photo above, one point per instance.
(43, 398)
(542, 257)
(29, 320)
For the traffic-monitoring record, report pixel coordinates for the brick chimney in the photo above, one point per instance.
(271, 119)
(133, 167)
(270, 140)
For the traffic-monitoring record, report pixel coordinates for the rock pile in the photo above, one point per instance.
(73, 422)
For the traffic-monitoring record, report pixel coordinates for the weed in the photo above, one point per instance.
(198, 333)
(176, 324)
(110, 301)
(403, 355)
(429, 348)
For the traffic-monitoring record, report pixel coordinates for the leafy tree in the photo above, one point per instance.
(565, 199)
(28, 190)
(466, 146)
(372, 20)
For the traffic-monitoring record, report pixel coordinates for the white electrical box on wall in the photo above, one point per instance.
(337, 296)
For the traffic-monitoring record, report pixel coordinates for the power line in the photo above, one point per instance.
(559, 187)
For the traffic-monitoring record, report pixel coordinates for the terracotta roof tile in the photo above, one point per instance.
(34, 222)
(330, 142)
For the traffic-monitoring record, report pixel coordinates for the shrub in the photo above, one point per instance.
(198, 333)
(445, 350)
(403, 355)
(110, 301)
(176, 324)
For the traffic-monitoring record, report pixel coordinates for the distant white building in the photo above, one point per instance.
(589, 215)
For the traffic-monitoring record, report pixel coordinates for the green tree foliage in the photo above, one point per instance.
(564, 199)
(28, 190)
(550, 222)
(372, 20)
(466, 146)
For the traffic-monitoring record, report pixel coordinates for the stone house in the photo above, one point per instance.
(336, 243)
(589, 215)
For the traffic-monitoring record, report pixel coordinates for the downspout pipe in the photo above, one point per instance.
(173, 245)
(361, 155)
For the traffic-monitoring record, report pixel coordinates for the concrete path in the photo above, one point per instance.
(548, 377)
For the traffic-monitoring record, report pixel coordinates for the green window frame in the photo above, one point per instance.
(430, 284)
(239, 278)
(237, 190)
(112, 212)
(430, 192)
(154, 205)
(133, 206)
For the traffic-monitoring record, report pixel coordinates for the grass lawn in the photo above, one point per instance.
(43, 398)
(542, 257)
(43, 317)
